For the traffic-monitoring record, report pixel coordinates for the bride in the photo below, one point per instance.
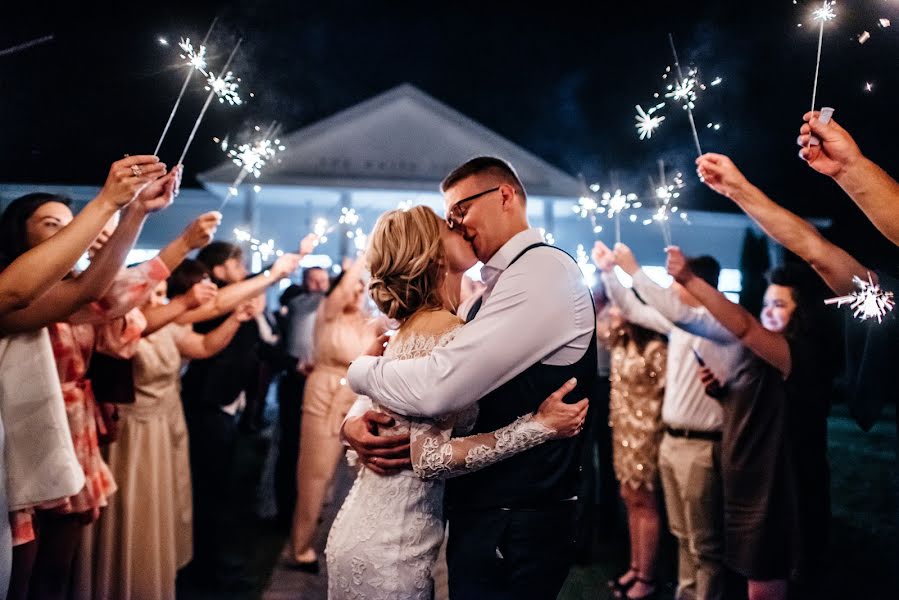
(385, 539)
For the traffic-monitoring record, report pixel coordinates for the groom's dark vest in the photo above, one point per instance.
(545, 474)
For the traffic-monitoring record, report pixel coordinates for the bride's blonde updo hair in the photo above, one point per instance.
(405, 257)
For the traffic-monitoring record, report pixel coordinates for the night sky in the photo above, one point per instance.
(561, 82)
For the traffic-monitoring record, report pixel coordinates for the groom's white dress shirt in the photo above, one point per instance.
(540, 311)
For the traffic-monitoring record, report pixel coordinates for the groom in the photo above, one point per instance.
(512, 524)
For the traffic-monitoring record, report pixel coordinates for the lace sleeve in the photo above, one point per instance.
(438, 455)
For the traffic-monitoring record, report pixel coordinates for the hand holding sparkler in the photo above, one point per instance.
(129, 176)
(159, 194)
(625, 259)
(603, 257)
(719, 173)
(285, 265)
(308, 244)
(200, 293)
(836, 151)
(201, 230)
(677, 265)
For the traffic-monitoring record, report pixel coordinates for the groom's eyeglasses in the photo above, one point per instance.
(458, 210)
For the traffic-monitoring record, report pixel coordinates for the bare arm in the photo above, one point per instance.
(195, 346)
(342, 294)
(66, 297)
(869, 186)
(769, 346)
(835, 266)
(33, 272)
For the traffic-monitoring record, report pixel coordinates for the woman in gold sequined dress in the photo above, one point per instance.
(635, 405)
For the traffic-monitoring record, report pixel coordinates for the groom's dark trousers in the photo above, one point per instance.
(510, 554)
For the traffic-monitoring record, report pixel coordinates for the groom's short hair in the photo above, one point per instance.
(484, 165)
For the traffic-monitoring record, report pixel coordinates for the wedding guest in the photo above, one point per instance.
(30, 399)
(105, 322)
(774, 454)
(298, 327)
(344, 329)
(139, 545)
(639, 359)
(690, 474)
(34, 271)
(870, 349)
(211, 389)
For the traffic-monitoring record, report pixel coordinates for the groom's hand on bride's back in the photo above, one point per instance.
(383, 454)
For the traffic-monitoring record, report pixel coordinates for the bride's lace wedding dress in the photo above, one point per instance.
(385, 539)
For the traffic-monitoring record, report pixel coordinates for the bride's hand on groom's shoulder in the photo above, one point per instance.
(566, 420)
(383, 454)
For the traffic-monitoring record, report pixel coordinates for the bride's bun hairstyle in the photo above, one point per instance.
(405, 257)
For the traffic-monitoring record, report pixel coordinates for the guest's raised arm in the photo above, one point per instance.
(839, 157)
(769, 346)
(230, 296)
(32, 273)
(835, 266)
(66, 298)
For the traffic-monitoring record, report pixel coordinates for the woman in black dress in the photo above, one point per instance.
(774, 439)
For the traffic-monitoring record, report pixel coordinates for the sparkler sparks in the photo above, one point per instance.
(251, 158)
(197, 62)
(825, 12)
(868, 302)
(196, 59)
(348, 216)
(684, 90)
(646, 123)
(225, 88)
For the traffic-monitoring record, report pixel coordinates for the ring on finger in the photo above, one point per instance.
(136, 170)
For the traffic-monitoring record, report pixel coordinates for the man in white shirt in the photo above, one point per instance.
(512, 523)
(688, 456)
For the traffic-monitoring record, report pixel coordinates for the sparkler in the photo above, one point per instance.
(646, 123)
(685, 90)
(265, 249)
(868, 301)
(587, 206)
(26, 45)
(822, 14)
(251, 158)
(588, 269)
(614, 204)
(665, 194)
(225, 87)
(349, 217)
(197, 62)
(209, 97)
